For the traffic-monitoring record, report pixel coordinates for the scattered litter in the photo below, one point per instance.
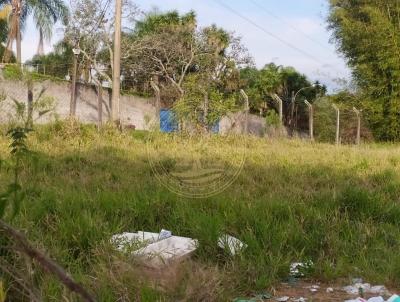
(394, 298)
(298, 269)
(243, 300)
(378, 289)
(376, 299)
(125, 241)
(313, 288)
(156, 249)
(365, 288)
(356, 300)
(257, 298)
(282, 299)
(263, 296)
(329, 290)
(373, 299)
(164, 234)
(231, 244)
(301, 299)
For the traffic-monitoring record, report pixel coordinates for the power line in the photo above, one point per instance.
(276, 37)
(101, 17)
(263, 8)
(268, 32)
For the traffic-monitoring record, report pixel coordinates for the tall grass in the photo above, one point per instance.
(293, 201)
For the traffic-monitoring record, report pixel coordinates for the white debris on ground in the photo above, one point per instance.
(394, 298)
(283, 299)
(313, 288)
(156, 249)
(366, 288)
(297, 269)
(301, 299)
(231, 244)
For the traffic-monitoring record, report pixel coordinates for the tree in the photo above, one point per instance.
(94, 37)
(366, 33)
(162, 46)
(44, 12)
(170, 47)
(197, 69)
(285, 82)
(56, 63)
(4, 15)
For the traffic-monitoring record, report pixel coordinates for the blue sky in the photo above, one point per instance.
(300, 23)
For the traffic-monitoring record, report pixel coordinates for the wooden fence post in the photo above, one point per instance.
(358, 114)
(310, 119)
(337, 124)
(247, 109)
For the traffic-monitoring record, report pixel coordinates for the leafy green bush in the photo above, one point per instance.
(12, 72)
(272, 119)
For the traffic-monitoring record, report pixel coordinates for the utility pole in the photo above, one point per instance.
(358, 114)
(337, 124)
(310, 119)
(116, 85)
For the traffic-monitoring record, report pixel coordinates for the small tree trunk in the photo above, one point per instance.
(156, 88)
(337, 124)
(358, 115)
(99, 105)
(30, 104)
(205, 113)
(40, 49)
(72, 110)
(19, 40)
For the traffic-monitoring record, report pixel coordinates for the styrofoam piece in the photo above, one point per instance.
(148, 236)
(121, 241)
(167, 250)
(231, 244)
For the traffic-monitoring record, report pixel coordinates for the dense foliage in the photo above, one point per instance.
(289, 84)
(367, 34)
(57, 63)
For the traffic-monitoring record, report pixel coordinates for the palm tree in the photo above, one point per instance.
(45, 13)
(4, 25)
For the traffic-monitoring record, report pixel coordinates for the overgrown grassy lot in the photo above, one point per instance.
(293, 201)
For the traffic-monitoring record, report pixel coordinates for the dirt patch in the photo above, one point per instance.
(315, 291)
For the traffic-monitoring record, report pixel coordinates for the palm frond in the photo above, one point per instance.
(5, 12)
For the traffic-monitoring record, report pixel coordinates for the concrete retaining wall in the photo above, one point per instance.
(135, 110)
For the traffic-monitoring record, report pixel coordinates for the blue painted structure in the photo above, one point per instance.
(168, 122)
